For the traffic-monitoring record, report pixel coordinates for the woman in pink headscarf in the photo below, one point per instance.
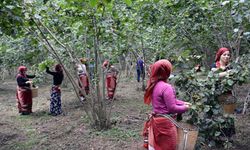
(23, 94)
(222, 59)
(161, 132)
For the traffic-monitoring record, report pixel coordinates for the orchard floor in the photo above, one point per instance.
(71, 131)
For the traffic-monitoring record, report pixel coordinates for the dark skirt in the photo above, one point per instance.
(55, 101)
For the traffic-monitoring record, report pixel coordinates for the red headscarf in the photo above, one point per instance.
(58, 68)
(21, 70)
(105, 64)
(160, 71)
(218, 54)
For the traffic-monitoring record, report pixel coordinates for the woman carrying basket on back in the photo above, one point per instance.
(160, 131)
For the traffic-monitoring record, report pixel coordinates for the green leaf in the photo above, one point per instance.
(230, 82)
(206, 109)
(211, 143)
(217, 133)
(128, 2)
(107, 1)
(37, 16)
(193, 107)
(215, 111)
(93, 3)
(10, 6)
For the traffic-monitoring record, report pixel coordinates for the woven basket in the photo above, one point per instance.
(229, 108)
(186, 136)
(34, 92)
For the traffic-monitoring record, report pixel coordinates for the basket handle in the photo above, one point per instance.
(174, 122)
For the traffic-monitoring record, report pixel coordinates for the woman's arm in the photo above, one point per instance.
(221, 74)
(172, 103)
(179, 102)
(31, 76)
(50, 72)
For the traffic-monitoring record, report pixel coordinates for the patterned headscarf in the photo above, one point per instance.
(160, 71)
(218, 55)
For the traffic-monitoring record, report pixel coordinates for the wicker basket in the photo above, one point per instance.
(229, 108)
(34, 91)
(186, 136)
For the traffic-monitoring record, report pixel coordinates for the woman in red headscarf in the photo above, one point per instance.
(161, 132)
(221, 64)
(55, 101)
(84, 79)
(111, 77)
(222, 61)
(23, 94)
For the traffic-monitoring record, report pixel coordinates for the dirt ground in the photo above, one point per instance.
(71, 131)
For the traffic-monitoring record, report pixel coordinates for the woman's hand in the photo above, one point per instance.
(187, 104)
(28, 82)
(229, 72)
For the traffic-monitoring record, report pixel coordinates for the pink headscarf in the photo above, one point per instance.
(218, 54)
(160, 71)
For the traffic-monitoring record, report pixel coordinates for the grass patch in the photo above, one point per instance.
(85, 119)
(31, 140)
(29, 144)
(118, 133)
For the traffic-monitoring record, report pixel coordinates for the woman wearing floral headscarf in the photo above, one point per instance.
(55, 101)
(161, 132)
(23, 94)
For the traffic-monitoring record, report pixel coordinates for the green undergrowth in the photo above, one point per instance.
(118, 133)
